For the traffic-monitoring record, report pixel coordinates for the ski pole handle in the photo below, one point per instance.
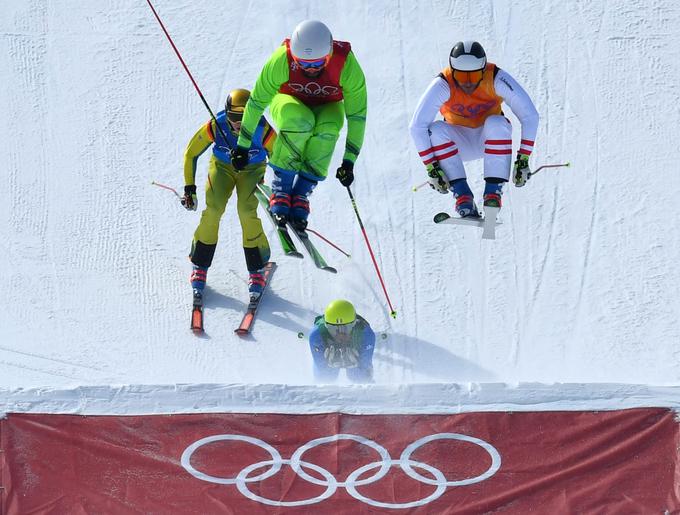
(154, 183)
(548, 166)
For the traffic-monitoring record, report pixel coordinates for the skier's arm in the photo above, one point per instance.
(353, 86)
(198, 144)
(521, 105)
(367, 347)
(272, 76)
(436, 94)
(268, 138)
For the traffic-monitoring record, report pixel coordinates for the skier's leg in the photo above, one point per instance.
(255, 243)
(497, 136)
(300, 201)
(444, 138)
(218, 189)
(319, 150)
(295, 122)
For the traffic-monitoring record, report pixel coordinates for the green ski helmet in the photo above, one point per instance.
(339, 312)
(340, 318)
(236, 104)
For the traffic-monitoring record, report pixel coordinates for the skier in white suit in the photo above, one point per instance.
(469, 94)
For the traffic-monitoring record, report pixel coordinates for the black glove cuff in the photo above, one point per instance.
(190, 189)
(348, 165)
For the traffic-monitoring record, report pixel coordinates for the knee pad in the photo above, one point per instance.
(202, 253)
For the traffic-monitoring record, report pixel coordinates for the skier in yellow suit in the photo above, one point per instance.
(222, 179)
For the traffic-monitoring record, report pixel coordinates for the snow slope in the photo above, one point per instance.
(579, 286)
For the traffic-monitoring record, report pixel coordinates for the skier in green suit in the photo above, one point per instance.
(311, 83)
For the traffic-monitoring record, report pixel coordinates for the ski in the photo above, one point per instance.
(303, 237)
(285, 239)
(197, 313)
(490, 215)
(249, 316)
(488, 222)
(318, 259)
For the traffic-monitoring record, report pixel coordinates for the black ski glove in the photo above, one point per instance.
(189, 200)
(345, 173)
(239, 157)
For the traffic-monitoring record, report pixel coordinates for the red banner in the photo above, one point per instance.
(547, 462)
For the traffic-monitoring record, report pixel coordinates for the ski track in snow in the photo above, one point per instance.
(577, 286)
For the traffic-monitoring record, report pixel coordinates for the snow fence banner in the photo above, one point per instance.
(546, 462)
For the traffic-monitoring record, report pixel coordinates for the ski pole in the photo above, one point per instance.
(547, 166)
(416, 188)
(154, 183)
(393, 313)
(328, 241)
(198, 90)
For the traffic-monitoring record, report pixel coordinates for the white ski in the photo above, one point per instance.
(488, 222)
(490, 214)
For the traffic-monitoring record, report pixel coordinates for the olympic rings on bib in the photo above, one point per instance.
(353, 480)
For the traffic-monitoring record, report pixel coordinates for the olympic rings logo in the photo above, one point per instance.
(408, 465)
(314, 89)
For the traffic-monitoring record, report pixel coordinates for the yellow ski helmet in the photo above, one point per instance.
(236, 104)
(340, 312)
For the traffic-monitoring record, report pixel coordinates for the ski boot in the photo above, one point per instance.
(279, 206)
(492, 193)
(299, 211)
(198, 277)
(256, 284)
(465, 203)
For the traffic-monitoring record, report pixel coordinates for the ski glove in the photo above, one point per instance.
(437, 178)
(239, 157)
(189, 200)
(521, 172)
(345, 173)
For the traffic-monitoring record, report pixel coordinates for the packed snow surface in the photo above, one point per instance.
(580, 285)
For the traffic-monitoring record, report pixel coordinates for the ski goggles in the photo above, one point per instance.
(313, 64)
(463, 77)
(235, 116)
(341, 331)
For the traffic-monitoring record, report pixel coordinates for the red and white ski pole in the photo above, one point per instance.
(186, 68)
(393, 313)
(328, 241)
(154, 183)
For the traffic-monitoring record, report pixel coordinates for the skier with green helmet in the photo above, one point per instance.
(342, 339)
(311, 83)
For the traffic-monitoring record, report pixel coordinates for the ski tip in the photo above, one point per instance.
(241, 332)
(440, 217)
(329, 269)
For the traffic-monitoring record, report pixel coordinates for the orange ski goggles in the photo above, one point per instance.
(464, 77)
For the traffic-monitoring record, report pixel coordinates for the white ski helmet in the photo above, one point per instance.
(467, 56)
(311, 39)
